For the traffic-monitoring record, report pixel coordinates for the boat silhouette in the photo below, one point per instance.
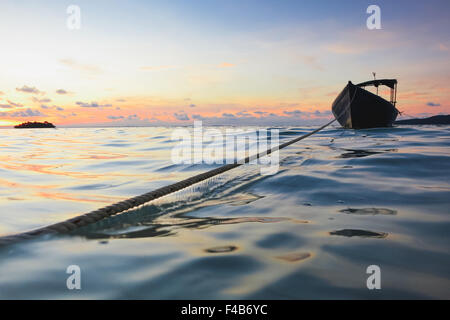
(358, 108)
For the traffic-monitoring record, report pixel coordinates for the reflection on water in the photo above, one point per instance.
(221, 249)
(341, 201)
(294, 257)
(369, 211)
(362, 153)
(359, 233)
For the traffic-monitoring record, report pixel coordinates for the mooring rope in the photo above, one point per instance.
(113, 209)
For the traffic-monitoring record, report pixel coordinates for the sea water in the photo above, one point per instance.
(340, 202)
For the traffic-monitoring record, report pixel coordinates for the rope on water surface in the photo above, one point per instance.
(97, 215)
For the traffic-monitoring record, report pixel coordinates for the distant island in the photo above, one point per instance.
(35, 124)
(443, 119)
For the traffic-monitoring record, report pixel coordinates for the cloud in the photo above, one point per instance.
(192, 105)
(22, 114)
(121, 100)
(443, 47)
(1, 93)
(244, 117)
(28, 89)
(226, 65)
(181, 116)
(197, 117)
(62, 91)
(295, 113)
(133, 117)
(6, 106)
(116, 117)
(18, 105)
(264, 118)
(322, 113)
(432, 104)
(228, 115)
(85, 68)
(44, 106)
(126, 120)
(44, 100)
(243, 113)
(92, 105)
(30, 113)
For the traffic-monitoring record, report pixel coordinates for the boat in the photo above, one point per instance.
(35, 124)
(357, 108)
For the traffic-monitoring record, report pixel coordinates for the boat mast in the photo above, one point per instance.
(375, 78)
(394, 101)
(394, 95)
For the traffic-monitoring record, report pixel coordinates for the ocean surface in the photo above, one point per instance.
(341, 201)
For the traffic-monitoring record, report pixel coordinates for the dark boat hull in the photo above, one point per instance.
(357, 108)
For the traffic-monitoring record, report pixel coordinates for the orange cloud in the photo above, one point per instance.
(443, 47)
(226, 65)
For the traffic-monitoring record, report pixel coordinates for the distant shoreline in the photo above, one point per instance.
(434, 120)
(442, 119)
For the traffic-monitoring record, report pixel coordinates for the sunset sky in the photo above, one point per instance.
(226, 62)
